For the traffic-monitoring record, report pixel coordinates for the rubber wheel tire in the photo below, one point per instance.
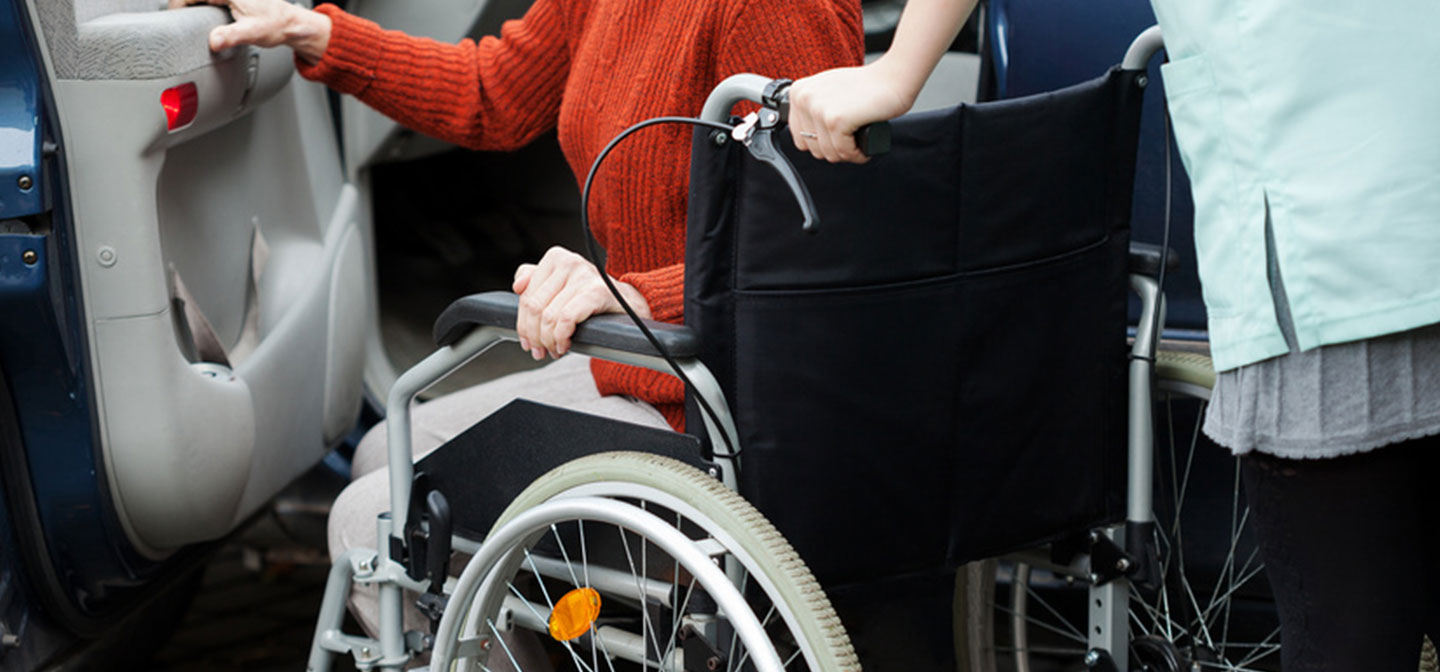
(752, 532)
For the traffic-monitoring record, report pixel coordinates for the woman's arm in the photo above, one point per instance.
(827, 109)
(497, 94)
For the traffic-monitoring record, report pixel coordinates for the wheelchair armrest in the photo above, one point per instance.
(498, 309)
(1145, 259)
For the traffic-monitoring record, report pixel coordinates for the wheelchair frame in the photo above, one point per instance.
(1109, 600)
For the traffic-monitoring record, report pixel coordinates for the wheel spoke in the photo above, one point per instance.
(506, 647)
(1263, 649)
(729, 665)
(678, 618)
(1163, 620)
(594, 634)
(1237, 526)
(645, 629)
(539, 581)
(1194, 604)
(1139, 623)
(1244, 579)
(675, 588)
(566, 557)
(763, 624)
(1068, 625)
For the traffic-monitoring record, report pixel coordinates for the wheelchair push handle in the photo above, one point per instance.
(756, 130)
(871, 139)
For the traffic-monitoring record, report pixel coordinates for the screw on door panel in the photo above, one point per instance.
(106, 255)
(25, 182)
(29, 257)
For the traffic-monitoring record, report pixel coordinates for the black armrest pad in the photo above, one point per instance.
(498, 309)
(1145, 259)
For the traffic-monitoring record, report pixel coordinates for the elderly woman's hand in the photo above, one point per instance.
(269, 23)
(560, 292)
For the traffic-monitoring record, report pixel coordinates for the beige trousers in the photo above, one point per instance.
(566, 383)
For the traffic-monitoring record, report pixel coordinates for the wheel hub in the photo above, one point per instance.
(1152, 653)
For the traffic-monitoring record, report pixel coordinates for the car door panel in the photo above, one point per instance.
(191, 449)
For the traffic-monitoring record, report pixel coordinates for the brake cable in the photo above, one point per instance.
(755, 132)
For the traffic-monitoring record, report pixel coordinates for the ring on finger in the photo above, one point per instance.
(808, 134)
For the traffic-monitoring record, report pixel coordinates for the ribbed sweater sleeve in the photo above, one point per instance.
(497, 94)
(792, 39)
(663, 289)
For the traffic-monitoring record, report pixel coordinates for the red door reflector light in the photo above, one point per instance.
(180, 103)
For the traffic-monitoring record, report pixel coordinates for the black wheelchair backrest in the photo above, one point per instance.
(938, 375)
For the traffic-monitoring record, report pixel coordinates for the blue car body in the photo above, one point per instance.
(1033, 46)
(67, 570)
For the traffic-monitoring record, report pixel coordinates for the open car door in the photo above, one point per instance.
(220, 258)
(209, 255)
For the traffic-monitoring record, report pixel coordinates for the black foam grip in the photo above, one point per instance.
(873, 139)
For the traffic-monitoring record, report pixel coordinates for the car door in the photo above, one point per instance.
(220, 258)
(207, 258)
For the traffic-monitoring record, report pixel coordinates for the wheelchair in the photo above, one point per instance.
(1031, 441)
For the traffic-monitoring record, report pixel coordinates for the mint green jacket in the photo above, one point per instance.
(1328, 113)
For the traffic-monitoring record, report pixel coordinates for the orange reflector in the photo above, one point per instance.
(574, 614)
(180, 103)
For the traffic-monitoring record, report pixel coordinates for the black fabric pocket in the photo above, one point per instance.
(900, 427)
(846, 420)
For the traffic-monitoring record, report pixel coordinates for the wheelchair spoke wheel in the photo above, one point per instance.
(586, 594)
(1210, 608)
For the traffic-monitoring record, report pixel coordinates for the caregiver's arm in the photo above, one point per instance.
(826, 109)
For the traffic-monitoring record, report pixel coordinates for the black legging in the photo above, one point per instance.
(1350, 550)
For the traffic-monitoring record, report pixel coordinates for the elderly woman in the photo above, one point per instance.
(588, 69)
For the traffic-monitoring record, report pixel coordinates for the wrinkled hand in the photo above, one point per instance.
(826, 109)
(559, 293)
(268, 23)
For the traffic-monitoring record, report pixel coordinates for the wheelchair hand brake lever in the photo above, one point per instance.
(757, 133)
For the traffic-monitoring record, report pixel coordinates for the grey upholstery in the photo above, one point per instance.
(126, 39)
(86, 10)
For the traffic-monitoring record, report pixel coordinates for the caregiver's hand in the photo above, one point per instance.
(560, 292)
(826, 109)
(269, 23)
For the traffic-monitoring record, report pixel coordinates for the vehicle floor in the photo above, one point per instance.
(253, 613)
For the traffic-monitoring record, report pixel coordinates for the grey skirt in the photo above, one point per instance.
(1333, 400)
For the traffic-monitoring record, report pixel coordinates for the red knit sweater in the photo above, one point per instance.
(591, 68)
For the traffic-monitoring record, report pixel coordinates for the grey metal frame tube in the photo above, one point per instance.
(332, 611)
(732, 90)
(1140, 497)
(1144, 46)
(1109, 625)
(1110, 603)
